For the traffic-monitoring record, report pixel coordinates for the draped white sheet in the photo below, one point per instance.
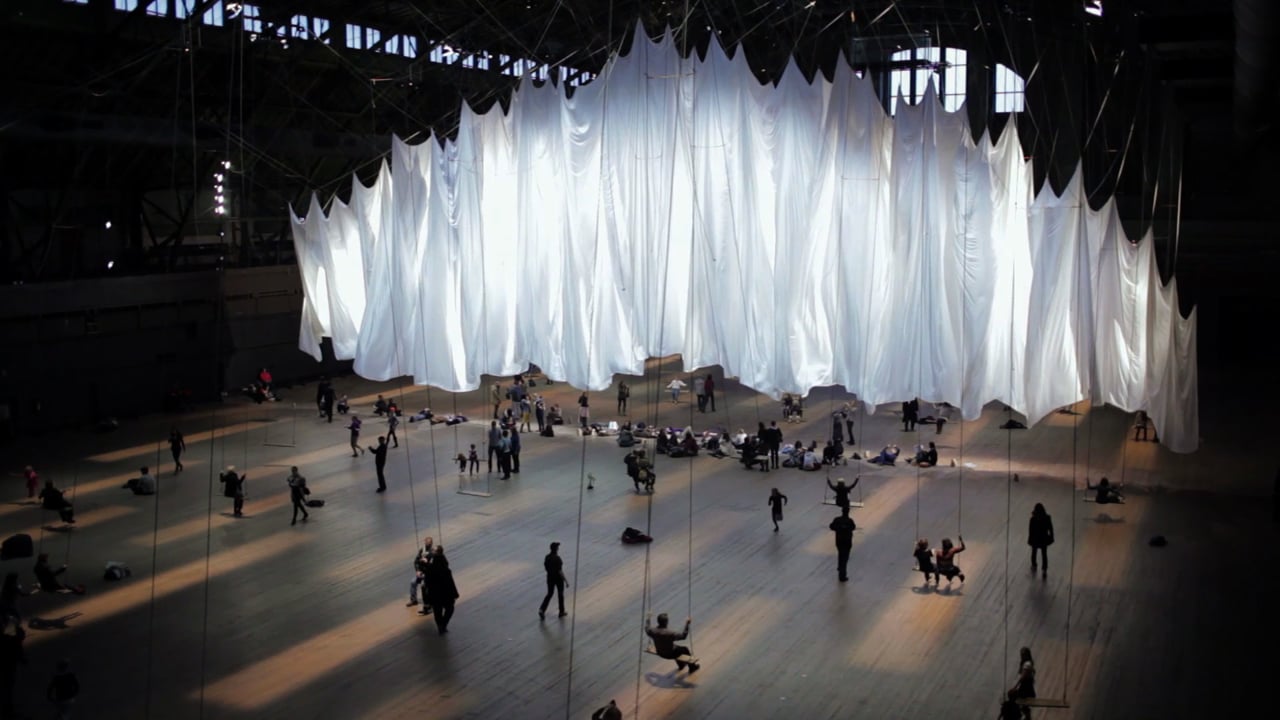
(792, 234)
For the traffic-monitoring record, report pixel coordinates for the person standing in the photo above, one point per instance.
(1040, 537)
(380, 462)
(1025, 686)
(554, 565)
(354, 427)
(843, 527)
(177, 445)
(11, 656)
(700, 392)
(298, 492)
(421, 564)
(514, 443)
(624, 393)
(776, 501)
(526, 414)
(393, 422)
(321, 387)
(326, 401)
(233, 487)
(504, 454)
(675, 386)
(773, 442)
(709, 388)
(540, 413)
(848, 422)
(63, 689)
(495, 397)
(33, 481)
(584, 410)
(444, 593)
(495, 444)
(473, 461)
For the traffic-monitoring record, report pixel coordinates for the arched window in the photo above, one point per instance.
(1010, 90)
(914, 69)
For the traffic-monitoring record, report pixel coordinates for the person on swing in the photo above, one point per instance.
(664, 642)
(842, 491)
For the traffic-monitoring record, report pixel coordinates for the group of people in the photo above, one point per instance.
(434, 579)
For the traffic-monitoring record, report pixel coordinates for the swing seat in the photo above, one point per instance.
(687, 659)
(1092, 499)
(1043, 703)
(852, 504)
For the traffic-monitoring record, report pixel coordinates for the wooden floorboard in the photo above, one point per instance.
(252, 618)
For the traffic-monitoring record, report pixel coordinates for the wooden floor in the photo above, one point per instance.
(252, 618)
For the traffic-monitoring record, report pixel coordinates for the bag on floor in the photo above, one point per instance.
(17, 546)
(632, 536)
(315, 503)
(116, 571)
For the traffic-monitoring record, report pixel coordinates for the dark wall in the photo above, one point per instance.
(79, 352)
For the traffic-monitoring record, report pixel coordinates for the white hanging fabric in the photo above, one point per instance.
(793, 234)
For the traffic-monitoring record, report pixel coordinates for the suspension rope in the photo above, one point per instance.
(208, 514)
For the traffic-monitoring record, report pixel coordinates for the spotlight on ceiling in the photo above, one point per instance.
(111, 264)
(1093, 7)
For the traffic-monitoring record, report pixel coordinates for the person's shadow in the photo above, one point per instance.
(1105, 519)
(669, 681)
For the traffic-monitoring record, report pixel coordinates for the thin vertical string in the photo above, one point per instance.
(208, 515)
(582, 460)
(151, 608)
(435, 477)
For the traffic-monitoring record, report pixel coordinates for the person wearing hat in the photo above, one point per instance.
(554, 565)
(233, 487)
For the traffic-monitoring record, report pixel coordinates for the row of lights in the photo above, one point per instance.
(220, 189)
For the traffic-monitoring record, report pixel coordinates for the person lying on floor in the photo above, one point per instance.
(423, 414)
(888, 455)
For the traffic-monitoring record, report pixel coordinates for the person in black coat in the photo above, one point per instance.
(772, 438)
(843, 527)
(380, 462)
(1040, 537)
(554, 565)
(442, 590)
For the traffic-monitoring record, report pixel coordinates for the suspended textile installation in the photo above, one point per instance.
(793, 234)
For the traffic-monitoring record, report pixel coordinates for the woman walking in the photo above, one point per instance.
(1025, 686)
(1040, 537)
(776, 501)
(354, 427)
(442, 590)
(177, 445)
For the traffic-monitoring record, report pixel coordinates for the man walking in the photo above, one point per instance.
(554, 565)
(380, 462)
(393, 422)
(298, 493)
(773, 442)
(624, 393)
(843, 527)
(709, 387)
(504, 455)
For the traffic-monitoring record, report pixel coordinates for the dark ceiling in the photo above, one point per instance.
(120, 114)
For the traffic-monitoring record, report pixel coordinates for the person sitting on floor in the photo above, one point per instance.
(888, 455)
(379, 406)
(625, 438)
(343, 406)
(810, 460)
(738, 439)
(554, 416)
(924, 560)
(51, 499)
(1105, 492)
(925, 457)
(47, 577)
(688, 446)
(944, 560)
(664, 642)
(145, 484)
(664, 442)
(831, 453)
(753, 454)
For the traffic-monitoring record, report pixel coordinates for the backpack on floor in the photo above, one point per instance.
(632, 536)
(17, 546)
(315, 503)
